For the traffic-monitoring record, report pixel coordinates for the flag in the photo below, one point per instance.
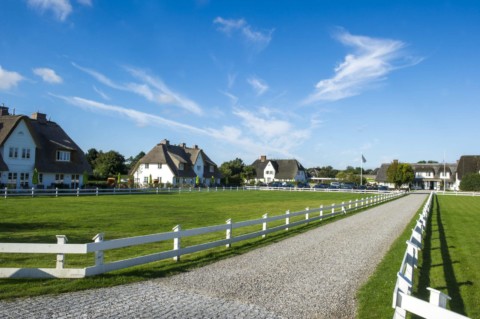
(363, 159)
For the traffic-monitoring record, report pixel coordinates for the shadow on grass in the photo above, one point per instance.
(452, 286)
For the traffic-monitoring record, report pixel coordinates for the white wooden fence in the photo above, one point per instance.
(56, 192)
(61, 248)
(403, 301)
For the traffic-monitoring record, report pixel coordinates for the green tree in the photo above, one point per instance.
(248, 172)
(91, 156)
(35, 177)
(400, 174)
(232, 171)
(109, 164)
(470, 183)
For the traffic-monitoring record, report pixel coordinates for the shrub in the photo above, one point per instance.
(470, 183)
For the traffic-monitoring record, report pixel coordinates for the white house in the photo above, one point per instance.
(175, 165)
(430, 176)
(29, 144)
(281, 170)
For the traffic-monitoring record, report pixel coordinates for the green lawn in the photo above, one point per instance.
(81, 218)
(449, 261)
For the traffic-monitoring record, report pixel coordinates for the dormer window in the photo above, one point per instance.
(212, 168)
(181, 167)
(63, 156)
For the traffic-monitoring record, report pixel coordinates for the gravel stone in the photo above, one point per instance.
(312, 275)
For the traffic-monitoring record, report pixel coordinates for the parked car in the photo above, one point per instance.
(382, 188)
(322, 186)
(303, 185)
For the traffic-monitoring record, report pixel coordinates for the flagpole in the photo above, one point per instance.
(361, 170)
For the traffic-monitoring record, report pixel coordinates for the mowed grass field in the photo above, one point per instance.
(449, 261)
(39, 220)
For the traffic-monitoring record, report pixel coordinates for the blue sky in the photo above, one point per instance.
(319, 81)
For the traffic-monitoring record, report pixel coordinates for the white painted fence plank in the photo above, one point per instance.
(43, 248)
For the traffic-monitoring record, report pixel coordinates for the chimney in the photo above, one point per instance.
(263, 158)
(183, 145)
(195, 146)
(3, 110)
(40, 117)
(165, 142)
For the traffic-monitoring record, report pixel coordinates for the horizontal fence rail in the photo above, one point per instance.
(59, 192)
(403, 301)
(100, 245)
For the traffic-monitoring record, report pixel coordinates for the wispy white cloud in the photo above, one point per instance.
(258, 85)
(60, 8)
(232, 97)
(151, 88)
(246, 31)
(253, 135)
(371, 61)
(275, 135)
(87, 3)
(48, 75)
(9, 79)
(101, 93)
(163, 94)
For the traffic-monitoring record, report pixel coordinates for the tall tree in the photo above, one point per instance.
(232, 171)
(400, 174)
(109, 164)
(91, 156)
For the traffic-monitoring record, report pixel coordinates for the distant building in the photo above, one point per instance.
(278, 170)
(35, 143)
(175, 164)
(427, 176)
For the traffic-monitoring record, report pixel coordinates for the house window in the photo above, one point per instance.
(58, 178)
(145, 179)
(147, 166)
(24, 179)
(199, 167)
(63, 156)
(25, 153)
(12, 178)
(13, 152)
(40, 178)
(159, 166)
(212, 168)
(181, 166)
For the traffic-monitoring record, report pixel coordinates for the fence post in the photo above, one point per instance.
(321, 210)
(157, 190)
(176, 242)
(33, 191)
(350, 205)
(356, 204)
(99, 253)
(307, 215)
(228, 234)
(61, 240)
(333, 208)
(6, 192)
(438, 298)
(56, 191)
(287, 219)
(78, 191)
(343, 208)
(96, 192)
(412, 250)
(264, 226)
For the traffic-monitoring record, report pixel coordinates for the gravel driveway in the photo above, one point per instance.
(312, 275)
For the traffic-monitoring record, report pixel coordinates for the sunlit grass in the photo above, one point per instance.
(39, 220)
